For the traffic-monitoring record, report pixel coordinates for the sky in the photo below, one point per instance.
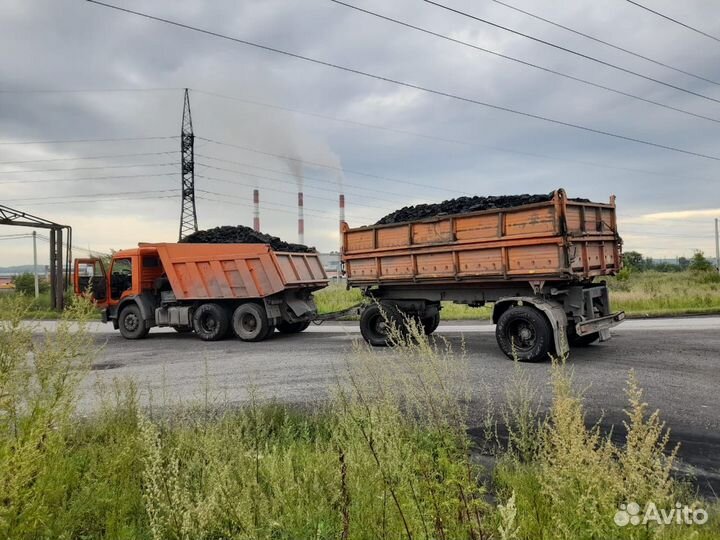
(72, 70)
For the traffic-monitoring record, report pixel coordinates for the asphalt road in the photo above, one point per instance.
(676, 361)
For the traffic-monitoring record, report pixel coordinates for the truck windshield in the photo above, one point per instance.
(121, 277)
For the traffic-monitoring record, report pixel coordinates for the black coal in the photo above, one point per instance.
(462, 205)
(240, 234)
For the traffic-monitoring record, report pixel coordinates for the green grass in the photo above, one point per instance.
(387, 456)
(657, 293)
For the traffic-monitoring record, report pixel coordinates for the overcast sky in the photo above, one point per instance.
(411, 146)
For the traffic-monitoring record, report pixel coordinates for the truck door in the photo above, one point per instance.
(90, 279)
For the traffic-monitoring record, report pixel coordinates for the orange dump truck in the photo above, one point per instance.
(537, 263)
(204, 288)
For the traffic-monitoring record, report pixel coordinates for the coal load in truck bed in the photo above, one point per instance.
(462, 205)
(243, 235)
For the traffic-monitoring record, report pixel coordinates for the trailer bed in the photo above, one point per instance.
(557, 240)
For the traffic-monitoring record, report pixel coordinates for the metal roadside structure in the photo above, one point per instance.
(535, 262)
(59, 267)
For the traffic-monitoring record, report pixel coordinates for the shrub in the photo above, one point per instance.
(25, 284)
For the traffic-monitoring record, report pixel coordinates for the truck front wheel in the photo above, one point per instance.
(523, 332)
(250, 322)
(131, 323)
(210, 322)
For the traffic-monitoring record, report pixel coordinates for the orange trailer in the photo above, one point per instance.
(536, 262)
(205, 288)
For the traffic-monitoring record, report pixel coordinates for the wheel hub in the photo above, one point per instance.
(131, 322)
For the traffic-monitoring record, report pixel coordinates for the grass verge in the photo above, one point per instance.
(388, 456)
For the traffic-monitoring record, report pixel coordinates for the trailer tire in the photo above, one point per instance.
(285, 327)
(210, 322)
(430, 324)
(523, 332)
(583, 341)
(131, 323)
(374, 322)
(250, 322)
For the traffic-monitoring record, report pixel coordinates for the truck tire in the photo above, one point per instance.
(285, 327)
(210, 322)
(430, 324)
(582, 341)
(524, 333)
(375, 321)
(250, 322)
(131, 323)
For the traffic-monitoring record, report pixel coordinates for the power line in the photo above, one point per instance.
(92, 168)
(305, 177)
(409, 85)
(44, 180)
(565, 49)
(104, 200)
(83, 90)
(265, 188)
(91, 195)
(607, 43)
(673, 20)
(436, 138)
(528, 64)
(331, 167)
(107, 156)
(70, 141)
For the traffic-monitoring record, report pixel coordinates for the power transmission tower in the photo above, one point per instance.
(188, 218)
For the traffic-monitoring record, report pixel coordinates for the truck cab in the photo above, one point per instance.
(131, 273)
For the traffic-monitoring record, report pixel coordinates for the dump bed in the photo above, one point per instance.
(236, 271)
(557, 240)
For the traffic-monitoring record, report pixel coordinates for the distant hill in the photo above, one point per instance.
(21, 269)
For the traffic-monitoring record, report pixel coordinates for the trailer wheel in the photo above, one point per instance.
(430, 324)
(523, 332)
(210, 322)
(250, 322)
(285, 327)
(375, 323)
(131, 323)
(583, 341)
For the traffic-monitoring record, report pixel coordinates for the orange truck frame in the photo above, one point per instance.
(204, 288)
(537, 263)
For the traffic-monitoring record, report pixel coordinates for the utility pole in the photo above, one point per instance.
(37, 284)
(717, 244)
(188, 217)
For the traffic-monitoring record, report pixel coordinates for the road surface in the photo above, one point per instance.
(676, 361)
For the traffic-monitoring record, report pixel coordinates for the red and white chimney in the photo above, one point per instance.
(341, 200)
(301, 219)
(256, 210)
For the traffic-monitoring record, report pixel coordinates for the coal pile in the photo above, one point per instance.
(243, 235)
(462, 205)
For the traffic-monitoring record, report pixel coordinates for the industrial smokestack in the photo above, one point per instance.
(301, 219)
(256, 210)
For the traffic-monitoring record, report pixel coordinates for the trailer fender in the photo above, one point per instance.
(552, 310)
(145, 303)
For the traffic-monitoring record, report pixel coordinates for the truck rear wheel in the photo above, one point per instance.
(131, 323)
(285, 327)
(250, 322)
(523, 332)
(210, 322)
